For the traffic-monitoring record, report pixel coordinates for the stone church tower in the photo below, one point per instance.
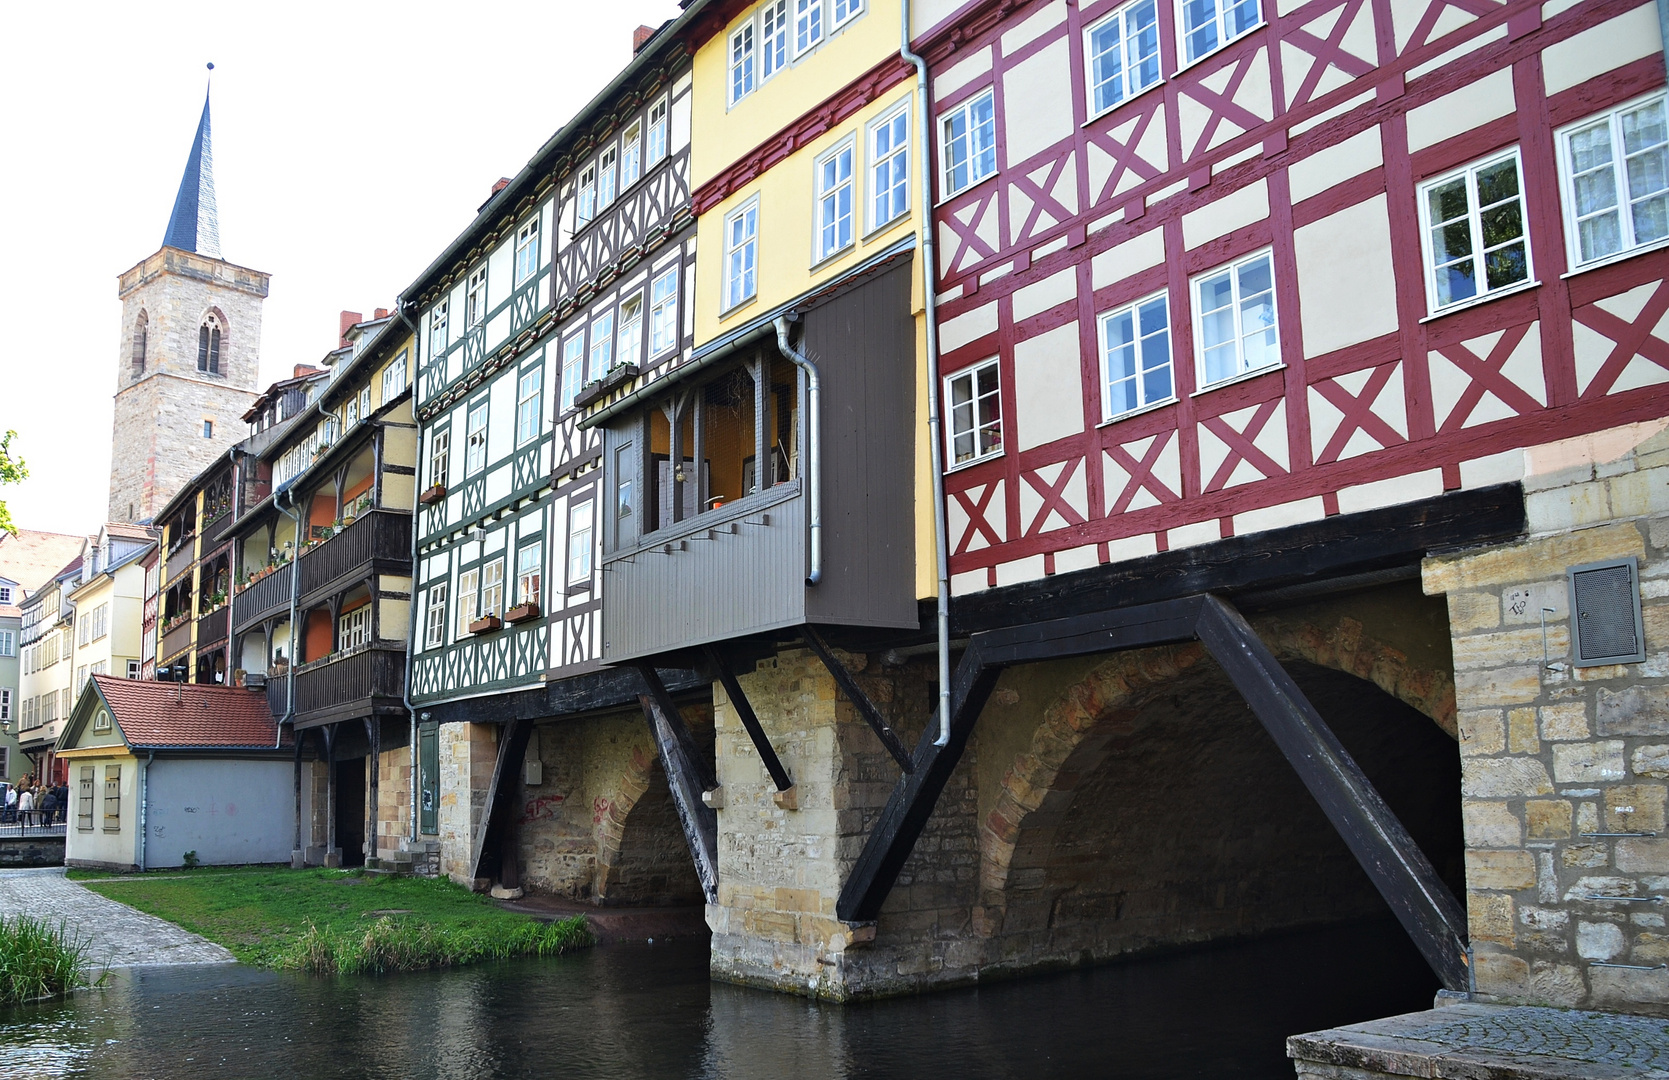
(189, 356)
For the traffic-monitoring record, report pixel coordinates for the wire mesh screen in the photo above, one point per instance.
(1605, 610)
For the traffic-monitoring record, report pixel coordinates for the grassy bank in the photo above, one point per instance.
(39, 960)
(331, 921)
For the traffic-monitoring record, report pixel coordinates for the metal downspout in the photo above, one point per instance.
(295, 585)
(411, 614)
(144, 792)
(814, 448)
(941, 547)
(1663, 29)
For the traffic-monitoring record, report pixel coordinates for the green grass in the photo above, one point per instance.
(39, 961)
(333, 921)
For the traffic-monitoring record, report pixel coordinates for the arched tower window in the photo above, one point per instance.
(208, 344)
(141, 330)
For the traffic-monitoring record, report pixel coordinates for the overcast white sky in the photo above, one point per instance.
(352, 142)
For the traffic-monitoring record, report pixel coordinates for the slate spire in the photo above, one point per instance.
(195, 223)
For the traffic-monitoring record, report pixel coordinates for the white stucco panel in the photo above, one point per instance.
(1131, 257)
(1462, 110)
(1613, 43)
(968, 326)
(962, 73)
(498, 275)
(1220, 217)
(1334, 165)
(1039, 296)
(1044, 20)
(1048, 387)
(1347, 289)
(1034, 91)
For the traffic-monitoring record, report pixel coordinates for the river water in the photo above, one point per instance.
(628, 1011)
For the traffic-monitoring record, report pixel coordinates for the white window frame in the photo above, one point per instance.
(133, 668)
(628, 336)
(5, 703)
(1219, 23)
(842, 12)
(530, 386)
(573, 368)
(469, 586)
(834, 201)
(434, 634)
(394, 379)
(353, 628)
(971, 374)
(774, 26)
(438, 342)
(655, 147)
(631, 154)
(1119, 21)
(741, 284)
(492, 588)
(529, 570)
(475, 299)
(585, 202)
(965, 112)
(740, 58)
(601, 356)
(894, 161)
(809, 26)
(1470, 172)
(475, 439)
(101, 621)
(608, 188)
(663, 311)
(8, 643)
(1236, 299)
(527, 250)
(1630, 243)
(440, 456)
(582, 519)
(1135, 310)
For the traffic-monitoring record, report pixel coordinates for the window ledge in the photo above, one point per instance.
(886, 226)
(1143, 92)
(833, 256)
(1203, 57)
(738, 306)
(1612, 260)
(971, 462)
(1472, 302)
(957, 194)
(1154, 407)
(1244, 376)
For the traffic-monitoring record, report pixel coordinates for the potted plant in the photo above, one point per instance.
(522, 612)
(432, 494)
(486, 624)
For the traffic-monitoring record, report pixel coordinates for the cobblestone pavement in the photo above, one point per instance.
(117, 935)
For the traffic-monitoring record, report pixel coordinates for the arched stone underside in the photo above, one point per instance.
(1150, 807)
(642, 855)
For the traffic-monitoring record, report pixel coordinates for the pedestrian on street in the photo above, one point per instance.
(49, 806)
(26, 807)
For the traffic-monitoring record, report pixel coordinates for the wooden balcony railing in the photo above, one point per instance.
(180, 561)
(339, 686)
(175, 641)
(278, 695)
(267, 597)
(211, 627)
(378, 536)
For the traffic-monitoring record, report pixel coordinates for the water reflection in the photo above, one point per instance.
(637, 1011)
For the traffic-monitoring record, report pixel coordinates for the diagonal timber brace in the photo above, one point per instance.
(854, 693)
(488, 849)
(687, 776)
(750, 720)
(1401, 872)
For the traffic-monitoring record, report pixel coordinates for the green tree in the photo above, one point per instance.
(12, 470)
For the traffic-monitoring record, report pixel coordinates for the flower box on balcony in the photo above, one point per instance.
(432, 494)
(617, 376)
(485, 625)
(522, 613)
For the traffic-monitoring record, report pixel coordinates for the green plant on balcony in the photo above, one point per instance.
(176, 622)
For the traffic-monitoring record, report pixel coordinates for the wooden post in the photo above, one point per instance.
(750, 721)
(488, 854)
(373, 735)
(687, 776)
(866, 708)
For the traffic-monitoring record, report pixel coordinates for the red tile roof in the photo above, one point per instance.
(168, 715)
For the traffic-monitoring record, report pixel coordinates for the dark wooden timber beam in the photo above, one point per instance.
(1399, 869)
(687, 776)
(495, 818)
(866, 708)
(750, 721)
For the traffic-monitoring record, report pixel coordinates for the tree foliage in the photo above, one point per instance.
(12, 470)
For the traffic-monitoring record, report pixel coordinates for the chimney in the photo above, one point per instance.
(348, 321)
(382, 313)
(303, 370)
(503, 182)
(641, 37)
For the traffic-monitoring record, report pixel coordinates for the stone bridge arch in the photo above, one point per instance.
(642, 855)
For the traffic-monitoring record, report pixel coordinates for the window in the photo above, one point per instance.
(1474, 230)
(741, 62)
(434, 627)
(834, 202)
(631, 155)
(84, 799)
(528, 575)
(208, 346)
(527, 250)
(84, 629)
(437, 330)
(101, 621)
(629, 345)
(773, 39)
(350, 415)
(394, 379)
(492, 588)
(527, 405)
(353, 629)
(663, 312)
(1123, 54)
(605, 178)
(5, 594)
(846, 9)
(8, 643)
(602, 345)
(587, 208)
(573, 369)
(365, 402)
(63, 704)
(1136, 356)
(475, 299)
(808, 24)
(1207, 24)
(133, 669)
(889, 168)
(440, 453)
(976, 413)
(475, 442)
(141, 333)
(1236, 311)
(656, 150)
(113, 797)
(469, 583)
(580, 526)
(741, 255)
(5, 703)
(1620, 158)
(968, 144)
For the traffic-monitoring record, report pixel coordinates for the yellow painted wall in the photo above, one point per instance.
(119, 848)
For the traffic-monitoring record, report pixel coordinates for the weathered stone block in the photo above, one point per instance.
(1643, 855)
(1489, 917)
(1651, 760)
(1482, 732)
(1588, 763)
(1547, 819)
(1562, 723)
(1585, 856)
(1621, 988)
(1634, 808)
(1634, 710)
(1599, 940)
(1546, 930)
(1521, 732)
(1491, 825)
(1500, 778)
(1471, 610)
(1503, 870)
(1502, 974)
(1534, 560)
(1498, 687)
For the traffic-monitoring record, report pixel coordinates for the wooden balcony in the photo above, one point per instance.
(346, 685)
(175, 641)
(180, 561)
(211, 627)
(215, 529)
(378, 540)
(278, 695)
(268, 597)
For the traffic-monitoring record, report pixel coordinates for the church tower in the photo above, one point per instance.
(189, 356)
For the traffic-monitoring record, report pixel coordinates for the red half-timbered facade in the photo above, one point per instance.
(1292, 221)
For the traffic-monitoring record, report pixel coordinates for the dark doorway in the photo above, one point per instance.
(350, 811)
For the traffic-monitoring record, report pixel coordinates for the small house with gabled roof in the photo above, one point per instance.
(157, 770)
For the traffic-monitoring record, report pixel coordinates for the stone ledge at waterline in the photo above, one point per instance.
(31, 851)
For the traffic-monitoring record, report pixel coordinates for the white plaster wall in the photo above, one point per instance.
(1130, 257)
(1048, 387)
(1335, 164)
(1613, 43)
(968, 326)
(1347, 290)
(1035, 93)
(1458, 112)
(1220, 217)
(1042, 295)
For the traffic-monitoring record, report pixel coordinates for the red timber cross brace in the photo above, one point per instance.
(1404, 876)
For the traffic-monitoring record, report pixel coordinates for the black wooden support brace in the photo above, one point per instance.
(1401, 872)
(489, 844)
(373, 736)
(687, 775)
(750, 721)
(849, 686)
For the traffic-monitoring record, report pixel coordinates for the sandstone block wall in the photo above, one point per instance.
(394, 775)
(1559, 760)
(467, 755)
